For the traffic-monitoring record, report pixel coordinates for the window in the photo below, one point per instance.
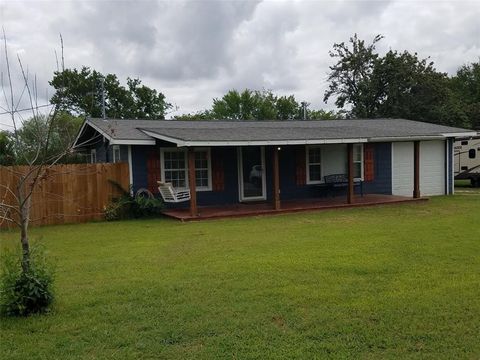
(116, 153)
(202, 169)
(358, 161)
(93, 156)
(464, 142)
(472, 154)
(175, 168)
(314, 165)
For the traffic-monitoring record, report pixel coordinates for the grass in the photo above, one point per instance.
(377, 283)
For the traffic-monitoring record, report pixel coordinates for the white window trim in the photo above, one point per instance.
(307, 162)
(362, 162)
(321, 181)
(114, 150)
(184, 151)
(241, 196)
(93, 156)
(209, 169)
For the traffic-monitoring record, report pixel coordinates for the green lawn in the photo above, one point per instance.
(387, 282)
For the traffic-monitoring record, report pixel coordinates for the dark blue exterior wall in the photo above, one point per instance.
(228, 196)
(105, 152)
(101, 149)
(230, 193)
(382, 181)
(139, 165)
(288, 182)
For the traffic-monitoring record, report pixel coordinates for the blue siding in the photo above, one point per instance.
(288, 182)
(105, 152)
(382, 182)
(139, 165)
(102, 151)
(230, 194)
(204, 198)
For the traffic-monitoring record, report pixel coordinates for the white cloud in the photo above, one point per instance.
(194, 51)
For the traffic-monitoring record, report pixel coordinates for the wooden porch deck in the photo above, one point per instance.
(287, 206)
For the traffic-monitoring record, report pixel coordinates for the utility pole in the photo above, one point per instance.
(102, 82)
(304, 108)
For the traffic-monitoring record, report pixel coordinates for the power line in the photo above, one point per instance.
(27, 109)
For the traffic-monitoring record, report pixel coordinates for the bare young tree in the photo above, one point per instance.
(33, 160)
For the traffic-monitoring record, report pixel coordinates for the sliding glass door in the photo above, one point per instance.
(251, 165)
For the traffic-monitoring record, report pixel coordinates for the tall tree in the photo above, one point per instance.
(80, 93)
(410, 87)
(257, 105)
(350, 78)
(396, 85)
(245, 105)
(287, 108)
(466, 86)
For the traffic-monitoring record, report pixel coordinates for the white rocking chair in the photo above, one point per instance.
(170, 195)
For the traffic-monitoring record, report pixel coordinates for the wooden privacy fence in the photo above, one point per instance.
(72, 193)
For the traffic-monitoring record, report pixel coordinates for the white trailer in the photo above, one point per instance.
(467, 160)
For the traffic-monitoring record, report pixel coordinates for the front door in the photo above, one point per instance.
(251, 172)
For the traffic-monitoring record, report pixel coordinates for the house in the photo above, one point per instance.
(275, 164)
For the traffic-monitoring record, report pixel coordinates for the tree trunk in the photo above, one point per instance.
(24, 203)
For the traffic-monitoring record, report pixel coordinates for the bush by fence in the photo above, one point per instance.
(72, 193)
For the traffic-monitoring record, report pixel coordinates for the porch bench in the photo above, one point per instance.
(339, 181)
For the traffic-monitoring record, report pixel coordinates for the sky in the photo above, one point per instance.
(194, 51)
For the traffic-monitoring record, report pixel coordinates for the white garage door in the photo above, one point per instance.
(402, 168)
(432, 168)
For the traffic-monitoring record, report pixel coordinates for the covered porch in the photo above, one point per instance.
(281, 179)
(287, 206)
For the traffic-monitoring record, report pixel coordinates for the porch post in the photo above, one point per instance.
(350, 193)
(276, 179)
(192, 182)
(416, 169)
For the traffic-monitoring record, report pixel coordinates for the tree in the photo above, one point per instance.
(396, 85)
(37, 144)
(287, 108)
(257, 105)
(200, 115)
(324, 115)
(247, 105)
(350, 78)
(80, 92)
(466, 86)
(6, 149)
(411, 88)
(60, 133)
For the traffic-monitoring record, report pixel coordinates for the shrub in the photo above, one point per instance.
(24, 293)
(118, 208)
(126, 206)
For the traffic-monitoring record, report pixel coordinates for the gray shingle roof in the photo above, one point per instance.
(281, 131)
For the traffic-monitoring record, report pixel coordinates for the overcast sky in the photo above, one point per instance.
(197, 50)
